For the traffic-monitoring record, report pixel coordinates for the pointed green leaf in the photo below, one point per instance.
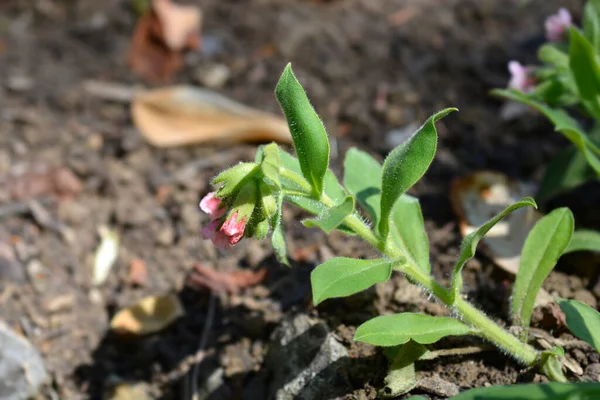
(546, 242)
(234, 177)
(591, 22)
(362, 179)
(583, 61)
(405, 165)
(332, 217)
(534, 391)
(408, 231)
(308, 132)
(563, 123)
(568, 169)
(550, 54)
(271, 163)
(278, 237)
(392, 330)
(584, 240)
(583, 321)
(340, 277)
(469, 243)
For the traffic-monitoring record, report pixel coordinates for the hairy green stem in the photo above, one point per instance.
(485, 326)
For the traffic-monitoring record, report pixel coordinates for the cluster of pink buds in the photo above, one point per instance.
(556, 25)
(222, 234)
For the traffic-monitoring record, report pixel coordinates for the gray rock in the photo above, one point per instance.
(305, 361)
(21, 367)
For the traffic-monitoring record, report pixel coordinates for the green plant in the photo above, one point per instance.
(566, 85)
(249, 203)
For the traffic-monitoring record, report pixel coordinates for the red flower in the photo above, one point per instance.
(229, 234)
(233, 228)
(212, 206)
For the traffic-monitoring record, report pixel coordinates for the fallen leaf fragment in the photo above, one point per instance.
(160, 38)
(184, 115)
(138, 274)
(149, 315)
(59, 182)
(231, 282)
(106, 255)
(479, 197)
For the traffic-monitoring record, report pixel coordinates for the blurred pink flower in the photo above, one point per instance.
(520, 77)
(557, 24)
(212, 206)
(212, 232)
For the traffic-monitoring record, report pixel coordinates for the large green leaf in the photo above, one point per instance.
(469, 243)
(583, 321)
(308, 133)
(408, 231)
(332, 217)
(584, 240)
(546, 242)
(591, 22)
(583, 62)
(534, 391)
(392, 330)
(563, 123)
(362, 179)
(341, 276)
(405, 165)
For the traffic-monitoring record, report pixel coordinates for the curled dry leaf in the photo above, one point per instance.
(106, 255)
(149, 315)
(183, 115)
(160, 38)
(231, 282)
(58, 182)
(479, 197)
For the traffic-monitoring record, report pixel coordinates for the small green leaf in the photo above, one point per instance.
(549, 53)
(405, 165)
(591, 22)
(566, 170)
(469, 243)
(268, 202)
(534, 391)
(332, 217)
(308, 132)
(278, 237)
(583, 321)
(545, 243)
(584, 240)
(586, 71)
(563, 123)
(362, 179)
(551, 364)
(408, 231)
(234, 177)
(402, 376)
(340, 277)
(392, 330)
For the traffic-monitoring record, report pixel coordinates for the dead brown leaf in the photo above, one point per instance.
(184, 115)
(161, 37)
(231, 282)
(149, 315)
(59, 182)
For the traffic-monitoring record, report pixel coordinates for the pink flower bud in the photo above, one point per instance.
(520, 77)
(212, 206)
(557, 24)
(234, 229)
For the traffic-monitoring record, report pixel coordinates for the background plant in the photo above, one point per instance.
(257, 190)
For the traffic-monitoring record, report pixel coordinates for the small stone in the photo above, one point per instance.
(165, 236)
(38, 275)
(438, 386)
(585, 297)
(306, 361)
(95, 296)
(394, 115)
(213, 76)
(22, 369)
(19, 83)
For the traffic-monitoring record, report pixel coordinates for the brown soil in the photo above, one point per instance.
(424, 54)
